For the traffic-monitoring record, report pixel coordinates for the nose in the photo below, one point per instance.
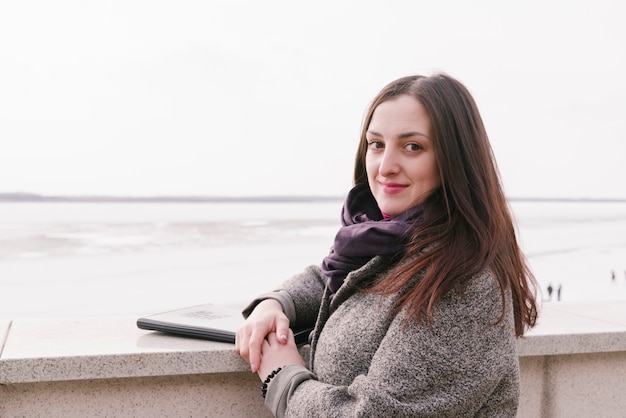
(389, 163)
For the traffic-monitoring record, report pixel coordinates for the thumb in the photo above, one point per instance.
(282, 329)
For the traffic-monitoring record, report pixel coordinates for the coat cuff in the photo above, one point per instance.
(282, 296)
(284, 385)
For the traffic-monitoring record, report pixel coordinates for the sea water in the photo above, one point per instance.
(86, 259)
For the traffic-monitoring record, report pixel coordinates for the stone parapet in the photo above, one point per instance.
(572, 364)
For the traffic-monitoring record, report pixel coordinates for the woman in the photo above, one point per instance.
(419, 303)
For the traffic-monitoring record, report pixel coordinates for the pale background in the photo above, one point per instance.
(266, 98)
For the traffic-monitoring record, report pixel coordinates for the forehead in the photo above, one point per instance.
(402, 112)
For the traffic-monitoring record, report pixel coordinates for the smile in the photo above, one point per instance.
(392, 188)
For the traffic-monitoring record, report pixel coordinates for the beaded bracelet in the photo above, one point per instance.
(267, 381)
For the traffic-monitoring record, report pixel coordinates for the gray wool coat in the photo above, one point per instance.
(366, 362)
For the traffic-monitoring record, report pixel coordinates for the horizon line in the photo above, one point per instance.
(34, 197)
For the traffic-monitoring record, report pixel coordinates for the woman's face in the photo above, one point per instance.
(400, 160)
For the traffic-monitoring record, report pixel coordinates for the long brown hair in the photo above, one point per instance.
(467, 225)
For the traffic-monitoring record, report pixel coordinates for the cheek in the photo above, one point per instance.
(428, 175)
(370, 165)
(435, 180)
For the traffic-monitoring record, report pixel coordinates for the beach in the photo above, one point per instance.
(109, 259)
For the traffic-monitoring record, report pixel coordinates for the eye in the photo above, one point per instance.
(373, 144)
(413, 147)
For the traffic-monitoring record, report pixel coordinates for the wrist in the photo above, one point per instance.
(270, 304)
(268, 380)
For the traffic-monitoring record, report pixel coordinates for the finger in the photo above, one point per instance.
(254, 350)
(237, 340)
(241, 337)
(241, 345)
(271, 339)
(282, 329)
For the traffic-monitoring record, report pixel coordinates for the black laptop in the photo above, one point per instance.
(208, 321)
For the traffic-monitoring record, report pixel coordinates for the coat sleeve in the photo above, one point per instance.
(463, 364)
(300, 297)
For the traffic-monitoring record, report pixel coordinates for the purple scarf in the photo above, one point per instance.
(366, 234)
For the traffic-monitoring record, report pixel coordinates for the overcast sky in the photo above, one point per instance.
(253, 97)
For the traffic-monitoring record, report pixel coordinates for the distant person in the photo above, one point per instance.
(613, 276)
(550, 289)
(558, 293)
(418, 304)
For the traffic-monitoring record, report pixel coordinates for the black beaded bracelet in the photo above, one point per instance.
(267, 381)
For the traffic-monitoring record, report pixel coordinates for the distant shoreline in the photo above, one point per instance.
(34, 198)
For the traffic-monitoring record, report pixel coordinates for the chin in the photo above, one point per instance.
(391, 211)
(396, 209)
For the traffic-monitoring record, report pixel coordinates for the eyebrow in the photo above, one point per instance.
(402, 136)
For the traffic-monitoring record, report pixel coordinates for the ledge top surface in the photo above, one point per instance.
(35, 350)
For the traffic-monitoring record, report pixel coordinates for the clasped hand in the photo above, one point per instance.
(265, 340)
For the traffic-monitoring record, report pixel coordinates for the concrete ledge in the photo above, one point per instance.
(573, 385)
(572, 364)
(214, 395)
(105, 348)
(576, 328)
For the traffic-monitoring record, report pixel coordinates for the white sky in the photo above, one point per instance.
(253, 97)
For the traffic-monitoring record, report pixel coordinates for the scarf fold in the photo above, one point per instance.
(364, 234)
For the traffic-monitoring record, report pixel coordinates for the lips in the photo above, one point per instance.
(392, 188)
